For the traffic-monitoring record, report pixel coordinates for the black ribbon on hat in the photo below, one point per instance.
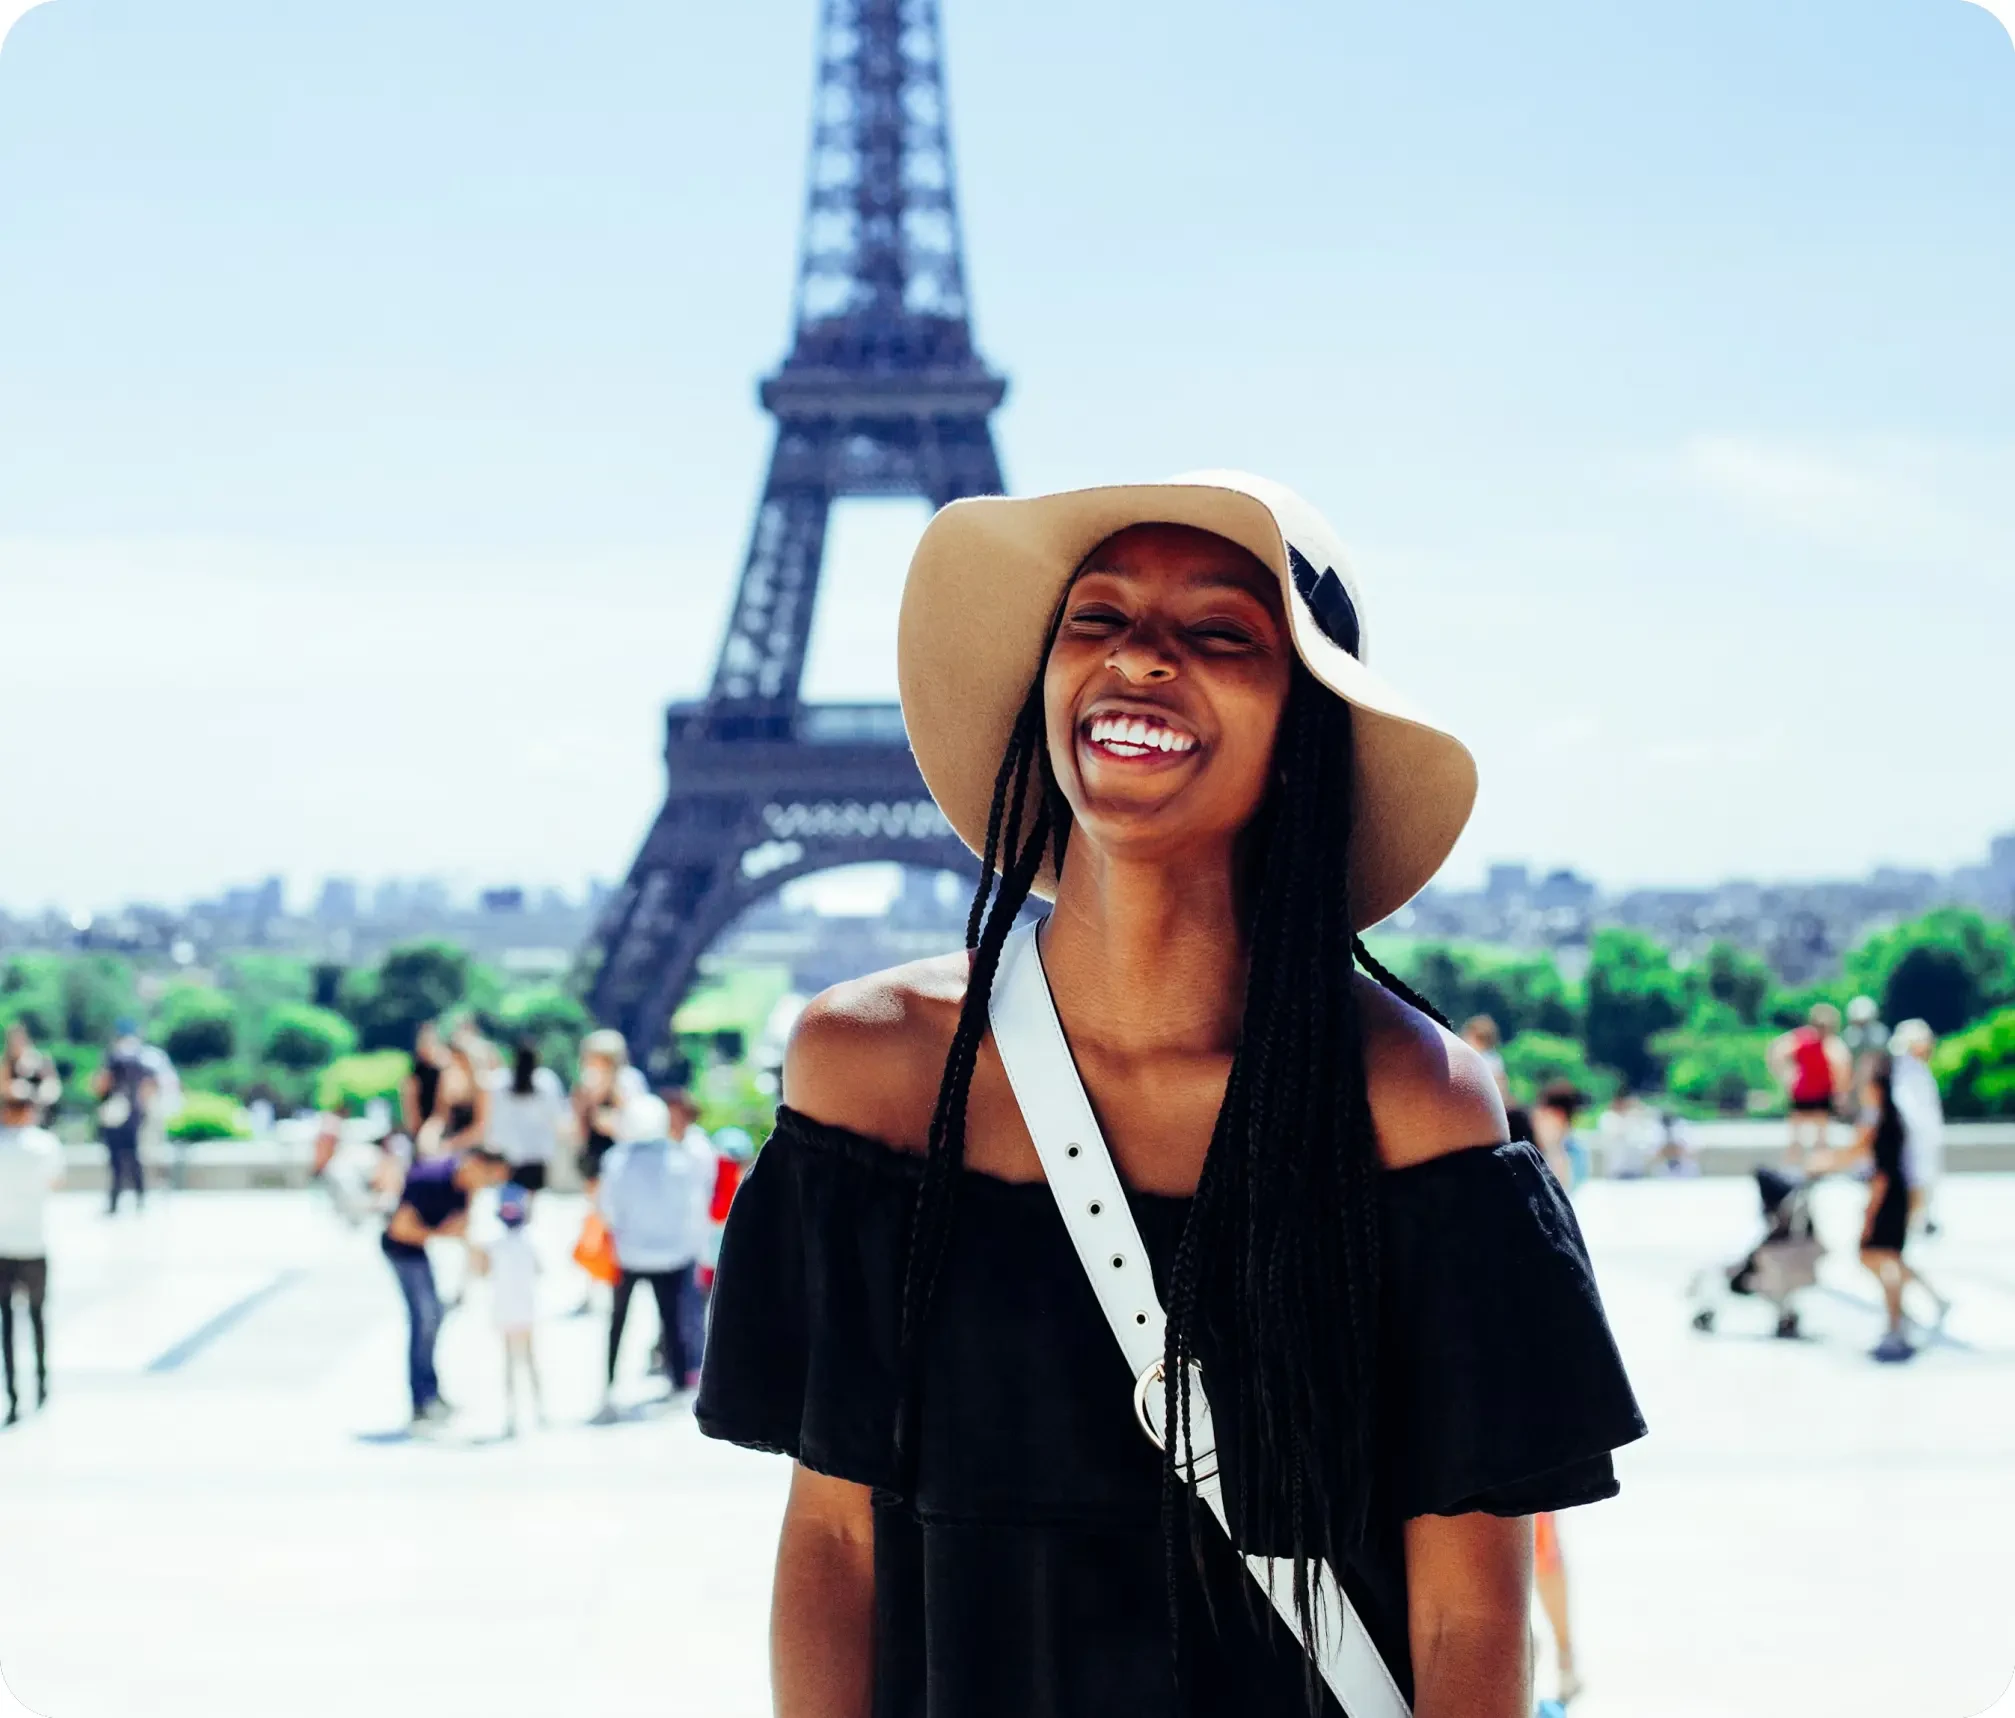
(1323, 592)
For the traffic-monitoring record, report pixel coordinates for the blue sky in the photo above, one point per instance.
(377, 433)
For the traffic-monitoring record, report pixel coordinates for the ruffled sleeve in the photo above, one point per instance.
(1508, 1391)
(805, 1322)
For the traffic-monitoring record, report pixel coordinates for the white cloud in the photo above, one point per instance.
(1893, 496)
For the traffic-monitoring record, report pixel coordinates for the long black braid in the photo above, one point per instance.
(1280, 1255)
(1009, 867)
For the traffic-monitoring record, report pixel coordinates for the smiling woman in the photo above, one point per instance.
(1150, 704)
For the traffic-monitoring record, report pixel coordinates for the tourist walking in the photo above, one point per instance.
(528, 1114)
(123, 1088)
(603, 1082)
(163, 1105)
(1885, 1226)
(1554, 1114)
(1923, 1111)
(22, 1063)
(420, 1091)
(1480, 1033)
(597, 1100)
(512, 1267)
(461, 1119)
(705, 1169)
(31, 1168)
(1866, 1040)
(1191, 1087)
(1812, 1064)
(652, 1198)
(434, 1202)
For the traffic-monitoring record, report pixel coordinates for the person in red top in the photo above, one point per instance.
(1813, 1066)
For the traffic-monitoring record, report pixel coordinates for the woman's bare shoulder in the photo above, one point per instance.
(1430, 1092)
(868, 1055)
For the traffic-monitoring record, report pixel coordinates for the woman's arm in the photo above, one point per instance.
(1828, 1162)
(822, 1607)
(1878, 1190)
(1469, 1586)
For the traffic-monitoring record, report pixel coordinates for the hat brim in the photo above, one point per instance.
(983, 586)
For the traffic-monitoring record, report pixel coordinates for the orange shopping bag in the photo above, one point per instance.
(595, 1251)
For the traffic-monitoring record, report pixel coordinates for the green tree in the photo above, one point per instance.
(207, 1115)
(1522, 993)
(1534, 1060)
(1947, 968)
(416, 982)
(1976, 1069)
(1735, 978)
(356, 1080)
(97, 992)
(1716, 1061)
(1633, 994)
(31, 991)
(325, 984)
(553, 1021)
(197, 1025)
(302, 1038)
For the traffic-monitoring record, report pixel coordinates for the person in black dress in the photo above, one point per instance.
(1149, 705)
(1885, 1230)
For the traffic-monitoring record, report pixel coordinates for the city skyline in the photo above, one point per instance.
(335, 898)
(381, 435)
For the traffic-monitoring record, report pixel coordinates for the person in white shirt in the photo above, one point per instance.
(513, 1271)
(1914, 1089)
(648, 1198)
(528, 1112)
(1627, 1136)
(31, 1166)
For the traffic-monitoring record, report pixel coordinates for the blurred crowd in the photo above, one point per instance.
(478, 1135)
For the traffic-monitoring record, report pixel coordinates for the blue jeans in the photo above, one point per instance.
(423, 1317)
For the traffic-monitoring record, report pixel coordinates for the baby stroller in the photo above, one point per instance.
(1783, 1262)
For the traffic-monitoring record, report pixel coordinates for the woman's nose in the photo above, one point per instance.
(1141, 657)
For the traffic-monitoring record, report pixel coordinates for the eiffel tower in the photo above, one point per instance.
(881, 394)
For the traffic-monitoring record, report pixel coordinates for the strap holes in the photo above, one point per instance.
(1140, 1318)
(1119, 1261)
(1071, 1151)
(1095, 1207)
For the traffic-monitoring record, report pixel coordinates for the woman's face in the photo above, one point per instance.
(1164, 690)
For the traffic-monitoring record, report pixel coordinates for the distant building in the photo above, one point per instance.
(506, 900)
(337, 904)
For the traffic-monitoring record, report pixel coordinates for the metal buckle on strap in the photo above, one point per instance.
(1149, 1400)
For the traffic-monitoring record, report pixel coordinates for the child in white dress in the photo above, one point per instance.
(513, 1270)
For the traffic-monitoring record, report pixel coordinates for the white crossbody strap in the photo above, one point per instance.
(1088, 1194)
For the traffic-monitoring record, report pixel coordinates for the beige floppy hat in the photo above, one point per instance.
(986, 580)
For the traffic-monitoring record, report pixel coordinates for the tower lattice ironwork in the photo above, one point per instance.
(881, 393)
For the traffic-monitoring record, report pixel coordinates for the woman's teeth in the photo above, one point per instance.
(1133, 737)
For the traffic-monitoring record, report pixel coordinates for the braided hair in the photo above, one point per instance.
(1280, 1255)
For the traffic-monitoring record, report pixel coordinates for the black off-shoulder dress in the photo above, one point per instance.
(1023, 1575)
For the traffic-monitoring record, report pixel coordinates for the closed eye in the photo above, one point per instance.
(1096, 617)
(1224, 633)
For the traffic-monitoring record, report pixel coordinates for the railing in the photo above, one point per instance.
(852, 724)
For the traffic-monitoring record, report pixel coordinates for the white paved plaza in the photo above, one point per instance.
(216, 1516)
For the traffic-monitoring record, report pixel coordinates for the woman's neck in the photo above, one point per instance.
(1148, 955)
